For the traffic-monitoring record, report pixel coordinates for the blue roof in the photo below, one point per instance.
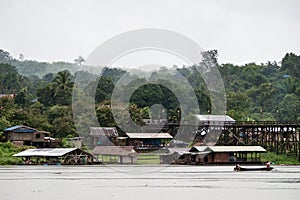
(25, 129)
(12, 128)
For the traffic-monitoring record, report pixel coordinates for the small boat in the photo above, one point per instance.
(238, 168)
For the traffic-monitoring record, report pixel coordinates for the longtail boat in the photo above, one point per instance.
(238, 168)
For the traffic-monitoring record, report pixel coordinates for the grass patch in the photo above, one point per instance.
(279, 159)
(148, 159)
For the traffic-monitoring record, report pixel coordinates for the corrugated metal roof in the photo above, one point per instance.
(114, 150)
(44, 132)
(180, 151)
(215, 118)
(106, 131)
(198, 148)
(237, 149)
(51, 152)
(12, 128)
(20, 128)
(149, 135)
(229, 148)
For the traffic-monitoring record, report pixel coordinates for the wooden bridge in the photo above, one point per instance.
(279, 137)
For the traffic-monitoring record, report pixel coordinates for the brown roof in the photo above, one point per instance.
(45, 132)
(114, 150)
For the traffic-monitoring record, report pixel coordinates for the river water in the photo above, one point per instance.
(147, 182)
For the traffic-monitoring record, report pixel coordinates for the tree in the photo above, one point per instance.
(147, 95)
(21, 57)
(4, 123)
(238, 105)
(5, 57)
(6, 111)
(21, 98)
(45, 95)
(9, 79)
(291, 64)
(104, 89)
(38, 118)
(114, 73)
(203, 99)
(105, 116)
(290, 108)
(60, 117)
(209, 58)
(79, 60)
(48, 77)
(62, 86)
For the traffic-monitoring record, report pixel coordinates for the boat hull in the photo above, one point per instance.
(253, 169)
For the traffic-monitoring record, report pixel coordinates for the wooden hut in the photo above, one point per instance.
(116, 154)
(30, 136)
(225, 154)
(104, 136)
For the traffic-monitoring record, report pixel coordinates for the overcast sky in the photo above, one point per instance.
(242, 31)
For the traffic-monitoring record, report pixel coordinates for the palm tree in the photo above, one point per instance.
(62, 85)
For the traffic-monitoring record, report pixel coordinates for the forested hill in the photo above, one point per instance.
(43, 92)
(40, 69)
(31, 67)
(267, 91)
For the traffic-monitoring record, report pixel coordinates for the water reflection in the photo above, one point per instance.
(151, 182)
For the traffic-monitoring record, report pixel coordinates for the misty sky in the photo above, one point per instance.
(242, 31)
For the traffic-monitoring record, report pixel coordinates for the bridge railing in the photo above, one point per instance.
(236, 123)
(266, 123)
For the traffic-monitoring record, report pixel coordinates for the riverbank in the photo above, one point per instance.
(7, 149)
(281, 159)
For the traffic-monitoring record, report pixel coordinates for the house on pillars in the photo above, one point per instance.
(24, 135)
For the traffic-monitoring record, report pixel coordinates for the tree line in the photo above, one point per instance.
(43, 100)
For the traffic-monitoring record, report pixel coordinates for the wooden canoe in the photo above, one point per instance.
(253, 169)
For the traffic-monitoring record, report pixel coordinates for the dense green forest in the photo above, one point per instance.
(43, 92)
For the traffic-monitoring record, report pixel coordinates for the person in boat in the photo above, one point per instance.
(268, 164)
(237, 167)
